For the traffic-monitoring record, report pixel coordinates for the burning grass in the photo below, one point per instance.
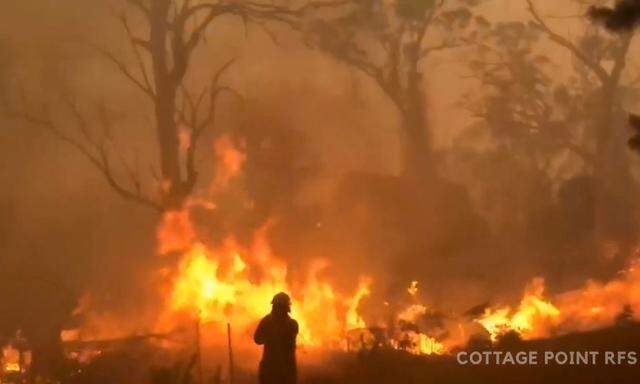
(232, 282)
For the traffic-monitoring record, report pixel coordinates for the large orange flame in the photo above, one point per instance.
(596, 305)
(234, 284)
(532, 315)
(215, 285)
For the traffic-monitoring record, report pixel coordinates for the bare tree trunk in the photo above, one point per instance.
(615, 220)
(166, 85)
(418, 159)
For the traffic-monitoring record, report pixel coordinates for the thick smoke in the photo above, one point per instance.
(323, 163)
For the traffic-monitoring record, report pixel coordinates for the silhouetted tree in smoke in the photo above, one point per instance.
(530, 122)
(389, 43)
(520, 106)
(624, 17)
(173, 30)
(594, 52)
(542, 117)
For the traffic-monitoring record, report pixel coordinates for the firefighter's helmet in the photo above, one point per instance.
(281, 299)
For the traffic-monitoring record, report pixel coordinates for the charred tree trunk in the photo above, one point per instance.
(615, 217)
(615, 211)
(418, 162)
(166, 85)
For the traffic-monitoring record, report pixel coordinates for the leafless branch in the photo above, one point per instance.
(597, 69)
(440, 47)
(621, 57)
(189, 115)
(428, 20)
(125, 71)
(258, 10)
(135, 43)
(94, 151)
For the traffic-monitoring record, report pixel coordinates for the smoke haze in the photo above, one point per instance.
(324, 166)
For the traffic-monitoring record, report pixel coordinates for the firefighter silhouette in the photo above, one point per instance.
(277, 332)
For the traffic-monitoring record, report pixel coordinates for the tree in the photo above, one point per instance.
(521, 107)
(173, 30)
(389, 43)
(624, 17)
(514, 112)
(614, 185)
(540, 118)
(163, 37)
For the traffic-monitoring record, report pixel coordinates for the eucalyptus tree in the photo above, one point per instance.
(565, 121)
(389, 42)
(163, 37)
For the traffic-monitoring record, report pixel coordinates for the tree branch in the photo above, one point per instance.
(597, 69)
(440, 47)
(197, 125)
(621, 57)
(95, 152)
(135, 42)
(125, 71)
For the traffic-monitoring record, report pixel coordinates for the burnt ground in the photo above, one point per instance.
(395, 367)
(131, 365)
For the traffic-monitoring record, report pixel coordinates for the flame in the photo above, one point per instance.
(216, 286)
(234, 284)
(534, 311)
(12, 367)
(413, 288)
(354, 320)
(14, 361)
(175, 232)
(596, 305)
(413, 340)
(426, 345)
(230, 160)
(200, 288)
(412, 312)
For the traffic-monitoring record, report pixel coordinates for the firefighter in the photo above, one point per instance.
(277, 332)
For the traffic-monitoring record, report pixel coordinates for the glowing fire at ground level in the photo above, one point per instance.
(328, 319)
(230, 283)
(215, 285)
(234, 285)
